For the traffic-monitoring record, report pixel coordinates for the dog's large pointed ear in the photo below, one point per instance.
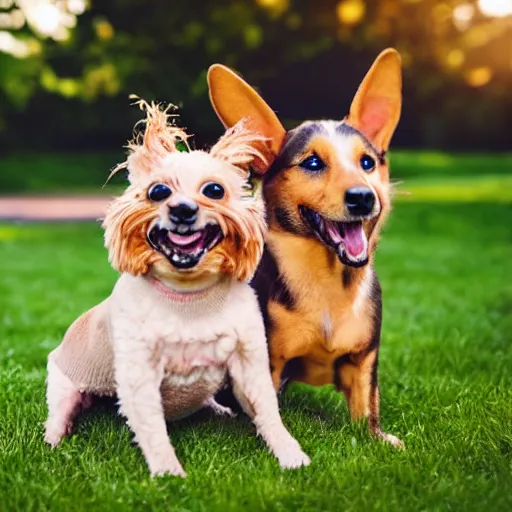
(376, 107)
(234, 99)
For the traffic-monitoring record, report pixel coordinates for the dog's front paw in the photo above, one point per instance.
(174, 469)
(164, 462)
(295, 460)
(392, 440)
(292, 457)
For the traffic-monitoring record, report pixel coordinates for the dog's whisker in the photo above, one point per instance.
(402, 193)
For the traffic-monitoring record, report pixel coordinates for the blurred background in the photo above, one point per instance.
(67, 68)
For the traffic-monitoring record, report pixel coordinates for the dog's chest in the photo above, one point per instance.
(318, 336)
(335, 325)
(183, 346)
(315, 313)
(185, 358)
(188, 353)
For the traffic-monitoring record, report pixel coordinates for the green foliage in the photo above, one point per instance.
(444, 370)
(73, 93)
(164, 52)
(19, 79)
(58, 172)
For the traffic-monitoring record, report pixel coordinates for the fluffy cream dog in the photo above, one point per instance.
(186, 235)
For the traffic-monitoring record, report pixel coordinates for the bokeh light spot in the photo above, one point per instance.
(253, 36)
(495, 8)
(13, 46)
(69, 87)
(351, 12)
(455, 58)
(478, 77)
(477, 36)
(46, 18)
(462, 15)
(441, 13)
(274, 6)
(77, 6)
(104, 30)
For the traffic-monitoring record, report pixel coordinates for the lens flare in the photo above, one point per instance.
(495, 8)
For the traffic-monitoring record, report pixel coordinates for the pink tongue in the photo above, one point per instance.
(354, 239)
(184, 239)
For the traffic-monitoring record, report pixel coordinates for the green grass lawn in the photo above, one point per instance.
(445, 372)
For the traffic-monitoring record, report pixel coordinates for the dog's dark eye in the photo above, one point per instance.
(313, 163)
(159, 192)
(367, 163)
(213, 190)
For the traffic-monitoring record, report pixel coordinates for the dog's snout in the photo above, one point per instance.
(359, 200)
(185, 212)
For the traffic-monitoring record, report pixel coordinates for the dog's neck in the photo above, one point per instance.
(179, 296)
(209, 296)
(189, 286)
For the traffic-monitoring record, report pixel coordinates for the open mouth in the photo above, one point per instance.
(185, 250)
(347, 238)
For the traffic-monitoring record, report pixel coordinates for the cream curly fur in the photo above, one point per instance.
(166, 338)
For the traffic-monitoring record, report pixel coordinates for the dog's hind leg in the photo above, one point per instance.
(278, 365)
(356, 376)
(374, 421)
(218, 409)
(64, 403)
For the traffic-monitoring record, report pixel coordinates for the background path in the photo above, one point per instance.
(53, 208)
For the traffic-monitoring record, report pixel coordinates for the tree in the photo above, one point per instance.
(76, 68)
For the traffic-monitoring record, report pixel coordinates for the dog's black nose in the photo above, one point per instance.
(359, 200)
(184, 213)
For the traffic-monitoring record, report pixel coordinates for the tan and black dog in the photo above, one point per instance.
(327, 194)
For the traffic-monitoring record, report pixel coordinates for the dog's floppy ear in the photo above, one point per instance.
(234, 99)
(376, 107)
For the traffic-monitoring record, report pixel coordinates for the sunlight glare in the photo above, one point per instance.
(76, 6)
(495, 8)
(46, 18)
(9, 44)
(462, 15)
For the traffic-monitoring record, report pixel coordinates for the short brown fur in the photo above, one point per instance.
(332, 319)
